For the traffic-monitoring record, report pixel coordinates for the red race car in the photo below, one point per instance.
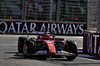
(47, 45)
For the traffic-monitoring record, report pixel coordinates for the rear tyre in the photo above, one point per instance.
(72, 48)
(21, 43)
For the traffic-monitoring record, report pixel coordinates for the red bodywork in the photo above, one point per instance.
(49, 39)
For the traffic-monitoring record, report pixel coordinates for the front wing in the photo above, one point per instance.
(58, 53)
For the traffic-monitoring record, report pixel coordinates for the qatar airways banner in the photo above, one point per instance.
(91, 43)
(40, 27)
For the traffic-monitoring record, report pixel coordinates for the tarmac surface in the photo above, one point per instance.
(9, 55)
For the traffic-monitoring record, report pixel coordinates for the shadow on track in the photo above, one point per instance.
(17, 55)
(58, 61)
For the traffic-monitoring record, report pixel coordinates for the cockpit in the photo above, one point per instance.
(46, 37)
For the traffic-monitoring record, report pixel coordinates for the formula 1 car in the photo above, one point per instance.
(47, 45)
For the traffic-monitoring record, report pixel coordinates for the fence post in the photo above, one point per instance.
(58, 10)
(51, 7)
(23, 9)
(98, 22)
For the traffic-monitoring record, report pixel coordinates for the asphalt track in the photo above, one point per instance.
(9, 55)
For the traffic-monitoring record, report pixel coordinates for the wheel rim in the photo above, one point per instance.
(24, 49)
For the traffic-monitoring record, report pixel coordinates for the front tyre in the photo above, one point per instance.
(21, 43)
(70, 58)
(28, 48)
(25, 51)
(71, 48)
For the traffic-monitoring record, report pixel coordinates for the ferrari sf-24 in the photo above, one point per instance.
(47, 45)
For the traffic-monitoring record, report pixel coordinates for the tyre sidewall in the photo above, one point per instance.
(21, 43)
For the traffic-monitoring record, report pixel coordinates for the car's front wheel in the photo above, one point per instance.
(28, 48)
(21, 43)
(71, 48)
(70, 58)
(25, 51)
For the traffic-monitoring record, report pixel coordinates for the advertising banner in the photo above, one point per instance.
(7, 27)
(91, 43)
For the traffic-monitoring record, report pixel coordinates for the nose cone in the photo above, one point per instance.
(51, 47)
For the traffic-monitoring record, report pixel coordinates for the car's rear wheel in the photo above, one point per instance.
(71, 48)
(21, 43)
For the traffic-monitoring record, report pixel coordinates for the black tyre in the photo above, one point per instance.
(30, 46)
(25, 51)
(72, 48)
(21, 43)
(70, 58)
(25, 56)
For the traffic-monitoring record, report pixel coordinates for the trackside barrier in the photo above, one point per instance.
(91, 43)
(18, 27)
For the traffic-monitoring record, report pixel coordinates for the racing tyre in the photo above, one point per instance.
(70, 58)
(25, 56)
(24, 51)
(20, 43)
(30, 46)
(72, 48)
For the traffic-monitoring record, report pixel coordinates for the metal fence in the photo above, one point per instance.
(44, 10)
(98, 22)
(93, 15)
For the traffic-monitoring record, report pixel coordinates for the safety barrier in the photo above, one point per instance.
(17, 27)
(91, 43)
